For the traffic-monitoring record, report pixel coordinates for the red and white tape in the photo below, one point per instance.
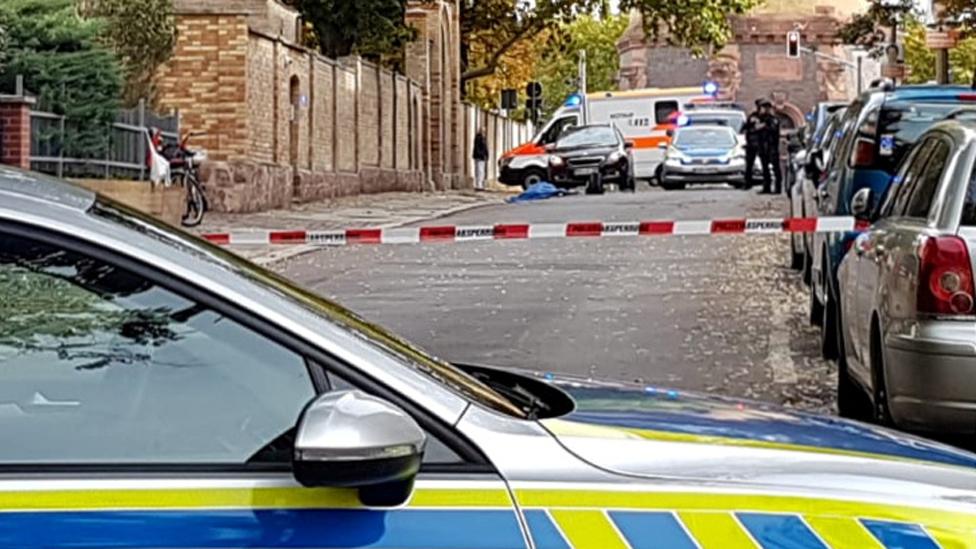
(459, 233)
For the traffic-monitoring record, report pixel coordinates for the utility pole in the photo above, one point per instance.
(584, 104)
(941, 54)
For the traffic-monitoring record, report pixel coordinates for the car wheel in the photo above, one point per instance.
(816, 308)
(796, 258)
(828, 328)
(595, 186)
(533, 176)
(851, 401)
(881, 411)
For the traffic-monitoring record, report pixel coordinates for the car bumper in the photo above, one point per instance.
(567, 178)
(510, 176)
(931, 376)
(703, 174)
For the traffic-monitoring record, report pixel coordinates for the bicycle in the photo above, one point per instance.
(185, 166)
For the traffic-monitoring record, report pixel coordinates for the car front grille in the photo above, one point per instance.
(585, 162)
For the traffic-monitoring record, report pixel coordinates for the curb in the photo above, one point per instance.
(277, 256)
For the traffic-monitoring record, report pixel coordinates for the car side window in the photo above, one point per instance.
(663, 111)
(865, 137)
(436, 452)
(99, 365)
(909, 178)
(557, 128)
(927, 184)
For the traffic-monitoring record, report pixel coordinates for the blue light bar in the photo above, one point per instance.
(710, 87)
(573, 100)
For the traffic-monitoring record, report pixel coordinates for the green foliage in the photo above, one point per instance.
(143, 34)
(492, 27)
(697, 24)
(374, 29)
(62, 60)
(869, 29)
(921, 60)
(558, 70)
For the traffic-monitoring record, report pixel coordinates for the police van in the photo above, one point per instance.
(643, 116)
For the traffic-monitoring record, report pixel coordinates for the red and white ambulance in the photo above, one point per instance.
(643, 116)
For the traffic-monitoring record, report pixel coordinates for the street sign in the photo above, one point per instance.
(509, 99)
(898, 71)
(940, 40)
(533, 89)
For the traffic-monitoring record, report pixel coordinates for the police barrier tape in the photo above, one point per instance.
(460, 233)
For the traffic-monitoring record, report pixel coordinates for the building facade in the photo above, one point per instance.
(755, 63)
(282, 123)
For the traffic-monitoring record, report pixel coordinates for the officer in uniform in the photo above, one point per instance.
(769, 151)
(754, 138)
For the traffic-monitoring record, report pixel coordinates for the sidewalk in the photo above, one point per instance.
(383, 210)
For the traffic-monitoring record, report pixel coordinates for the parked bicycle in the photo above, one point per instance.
(184, 165)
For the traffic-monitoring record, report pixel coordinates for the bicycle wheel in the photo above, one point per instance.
(194, 202)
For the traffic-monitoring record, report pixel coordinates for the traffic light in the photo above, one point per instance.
(509, 99)
(793, 44)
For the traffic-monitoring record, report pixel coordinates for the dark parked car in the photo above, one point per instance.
(877, 131)
(593, 156)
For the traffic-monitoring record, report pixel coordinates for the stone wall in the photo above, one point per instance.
(285, 123)
(207, 84)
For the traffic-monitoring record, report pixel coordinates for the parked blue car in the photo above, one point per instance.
(879, 128)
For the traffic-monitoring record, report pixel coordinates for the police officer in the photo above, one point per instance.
(753, 129)
(769, 152)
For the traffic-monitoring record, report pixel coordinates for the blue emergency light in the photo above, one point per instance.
(710, 87)
(573, 100)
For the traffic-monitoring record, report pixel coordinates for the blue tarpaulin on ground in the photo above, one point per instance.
(539, 191)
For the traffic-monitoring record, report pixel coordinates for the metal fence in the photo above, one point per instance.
(125, 156)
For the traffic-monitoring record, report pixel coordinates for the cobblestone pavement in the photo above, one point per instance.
(375, 211)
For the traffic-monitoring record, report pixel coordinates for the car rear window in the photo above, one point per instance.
(715, 137)
(901, 124)
(734, 120)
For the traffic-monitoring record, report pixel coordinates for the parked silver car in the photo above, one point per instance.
(908, 329)
(804, 199)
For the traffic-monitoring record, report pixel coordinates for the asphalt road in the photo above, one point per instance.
(715, 313)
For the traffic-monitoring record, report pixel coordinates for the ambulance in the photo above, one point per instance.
(643, 116)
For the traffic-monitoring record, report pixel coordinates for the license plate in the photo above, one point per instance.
(584, 171)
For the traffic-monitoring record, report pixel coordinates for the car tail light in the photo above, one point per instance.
(945, 281)
(966, 97)
(863, 153)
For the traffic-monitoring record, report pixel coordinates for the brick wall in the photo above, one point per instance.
(668, 67)
(757, 81)
(369, 107)
(207, 84)
(345, 123)
(287, 124)
(15, 131)
(323, 136)
(260, 98)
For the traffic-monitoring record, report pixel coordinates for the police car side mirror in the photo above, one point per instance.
(354, 440)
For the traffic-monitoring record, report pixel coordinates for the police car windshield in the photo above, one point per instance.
(732, 119)
(715, 137)
(902, 123)
(588, 136)
(433, 367)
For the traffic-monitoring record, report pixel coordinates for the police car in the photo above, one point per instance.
(156, 391)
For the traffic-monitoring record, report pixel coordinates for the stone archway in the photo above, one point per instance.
(791, 117)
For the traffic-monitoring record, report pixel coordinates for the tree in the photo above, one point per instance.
(516, 68)
(501, 24)
(143, 35)
(374, 29)
(921, 60)
(62, 60)
(558, 69)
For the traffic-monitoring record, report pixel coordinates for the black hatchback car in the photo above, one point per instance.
(591, 155)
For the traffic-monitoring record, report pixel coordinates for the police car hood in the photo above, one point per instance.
(647, 431)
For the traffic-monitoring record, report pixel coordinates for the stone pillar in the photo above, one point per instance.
(15, 130)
